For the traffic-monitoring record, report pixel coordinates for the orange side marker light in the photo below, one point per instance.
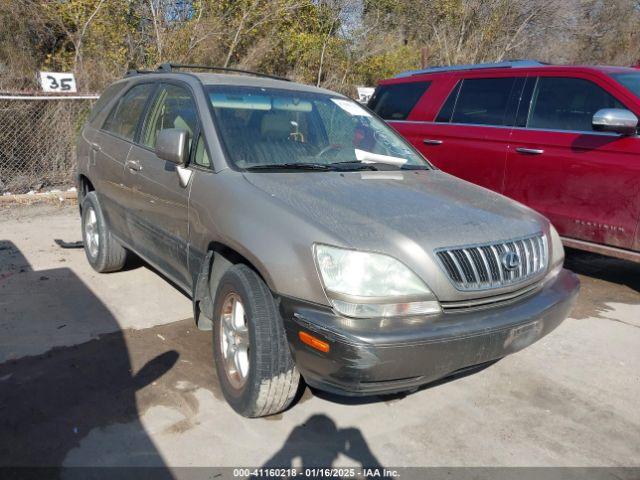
(313, 342)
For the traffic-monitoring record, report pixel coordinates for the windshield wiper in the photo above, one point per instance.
(415, 167)
(361, 165)
(354, 165)
(291, 166)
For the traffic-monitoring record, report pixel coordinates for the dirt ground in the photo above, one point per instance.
(110, 370)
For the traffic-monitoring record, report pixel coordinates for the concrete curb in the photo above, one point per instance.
(46, 197)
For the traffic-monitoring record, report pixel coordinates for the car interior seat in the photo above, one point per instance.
(278, 143)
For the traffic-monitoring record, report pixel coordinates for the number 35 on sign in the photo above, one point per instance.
(57, 82)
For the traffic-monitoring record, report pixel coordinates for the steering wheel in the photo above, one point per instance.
(329, 148)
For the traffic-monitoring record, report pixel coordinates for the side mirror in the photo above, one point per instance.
(171, 145)
(616, 120)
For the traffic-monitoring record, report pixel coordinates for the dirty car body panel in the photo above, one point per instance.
(274, 221)
(403, 354)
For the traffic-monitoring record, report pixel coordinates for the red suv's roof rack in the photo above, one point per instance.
(452, 68)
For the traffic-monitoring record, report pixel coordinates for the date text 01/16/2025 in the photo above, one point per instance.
(316, 472)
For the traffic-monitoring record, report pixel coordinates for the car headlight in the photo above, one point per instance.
(557, 254)
(362, 284)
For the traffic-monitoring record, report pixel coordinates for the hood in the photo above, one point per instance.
(406, 214)
(430, 207)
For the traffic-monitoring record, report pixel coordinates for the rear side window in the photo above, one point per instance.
(124, 118)
(481, 101)
(567, 104)
(395, 102)
(104, 99)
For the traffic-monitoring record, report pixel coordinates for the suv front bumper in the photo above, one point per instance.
(372, 356)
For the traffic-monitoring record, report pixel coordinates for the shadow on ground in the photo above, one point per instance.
(318, 442)
(608, 269)
(600, 277)
(50, 401)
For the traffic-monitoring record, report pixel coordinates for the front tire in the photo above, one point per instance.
(103, 251)
(252, 357)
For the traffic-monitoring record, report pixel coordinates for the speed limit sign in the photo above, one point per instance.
(57, 82)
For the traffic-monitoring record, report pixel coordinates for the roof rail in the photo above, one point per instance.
(453, 68)
(133, 72)
(170, 67)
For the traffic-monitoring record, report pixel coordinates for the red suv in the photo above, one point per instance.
(561, 139)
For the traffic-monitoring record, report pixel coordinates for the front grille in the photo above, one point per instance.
(487, 266)
(491, 301)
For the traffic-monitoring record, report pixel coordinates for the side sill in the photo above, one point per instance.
(615, 252)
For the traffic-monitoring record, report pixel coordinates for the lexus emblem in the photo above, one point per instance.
(510, 260)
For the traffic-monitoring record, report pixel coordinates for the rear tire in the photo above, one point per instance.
(269, 382)
(104, 252)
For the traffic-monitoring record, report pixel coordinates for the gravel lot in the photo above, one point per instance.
(110, 370)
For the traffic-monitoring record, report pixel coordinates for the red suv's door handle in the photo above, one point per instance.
(529, 151)
(431, 141)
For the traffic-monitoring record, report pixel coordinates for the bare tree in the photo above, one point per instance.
(157, 13)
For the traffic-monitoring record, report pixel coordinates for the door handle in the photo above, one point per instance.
(529, 151)
(133, 165)
(431, 141)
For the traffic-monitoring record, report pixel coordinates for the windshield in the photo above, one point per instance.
(280, 129)
(629, 80)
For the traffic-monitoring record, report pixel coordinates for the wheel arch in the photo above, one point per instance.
(218, 259)
(84, 186)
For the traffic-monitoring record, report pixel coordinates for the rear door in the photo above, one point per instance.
(109, 151)
(585, 182)
(159, 211)
(469, 136)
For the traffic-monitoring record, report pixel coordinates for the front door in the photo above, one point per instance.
(585, 182)
(161, 201)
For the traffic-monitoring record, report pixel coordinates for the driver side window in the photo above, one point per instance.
(202, 156)
(567, 104)
(173, 108)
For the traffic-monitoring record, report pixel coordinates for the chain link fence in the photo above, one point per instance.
(37, 140)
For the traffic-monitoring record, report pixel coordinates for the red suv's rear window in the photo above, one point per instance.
(395, 101)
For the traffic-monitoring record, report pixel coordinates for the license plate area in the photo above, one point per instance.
(523, 335)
